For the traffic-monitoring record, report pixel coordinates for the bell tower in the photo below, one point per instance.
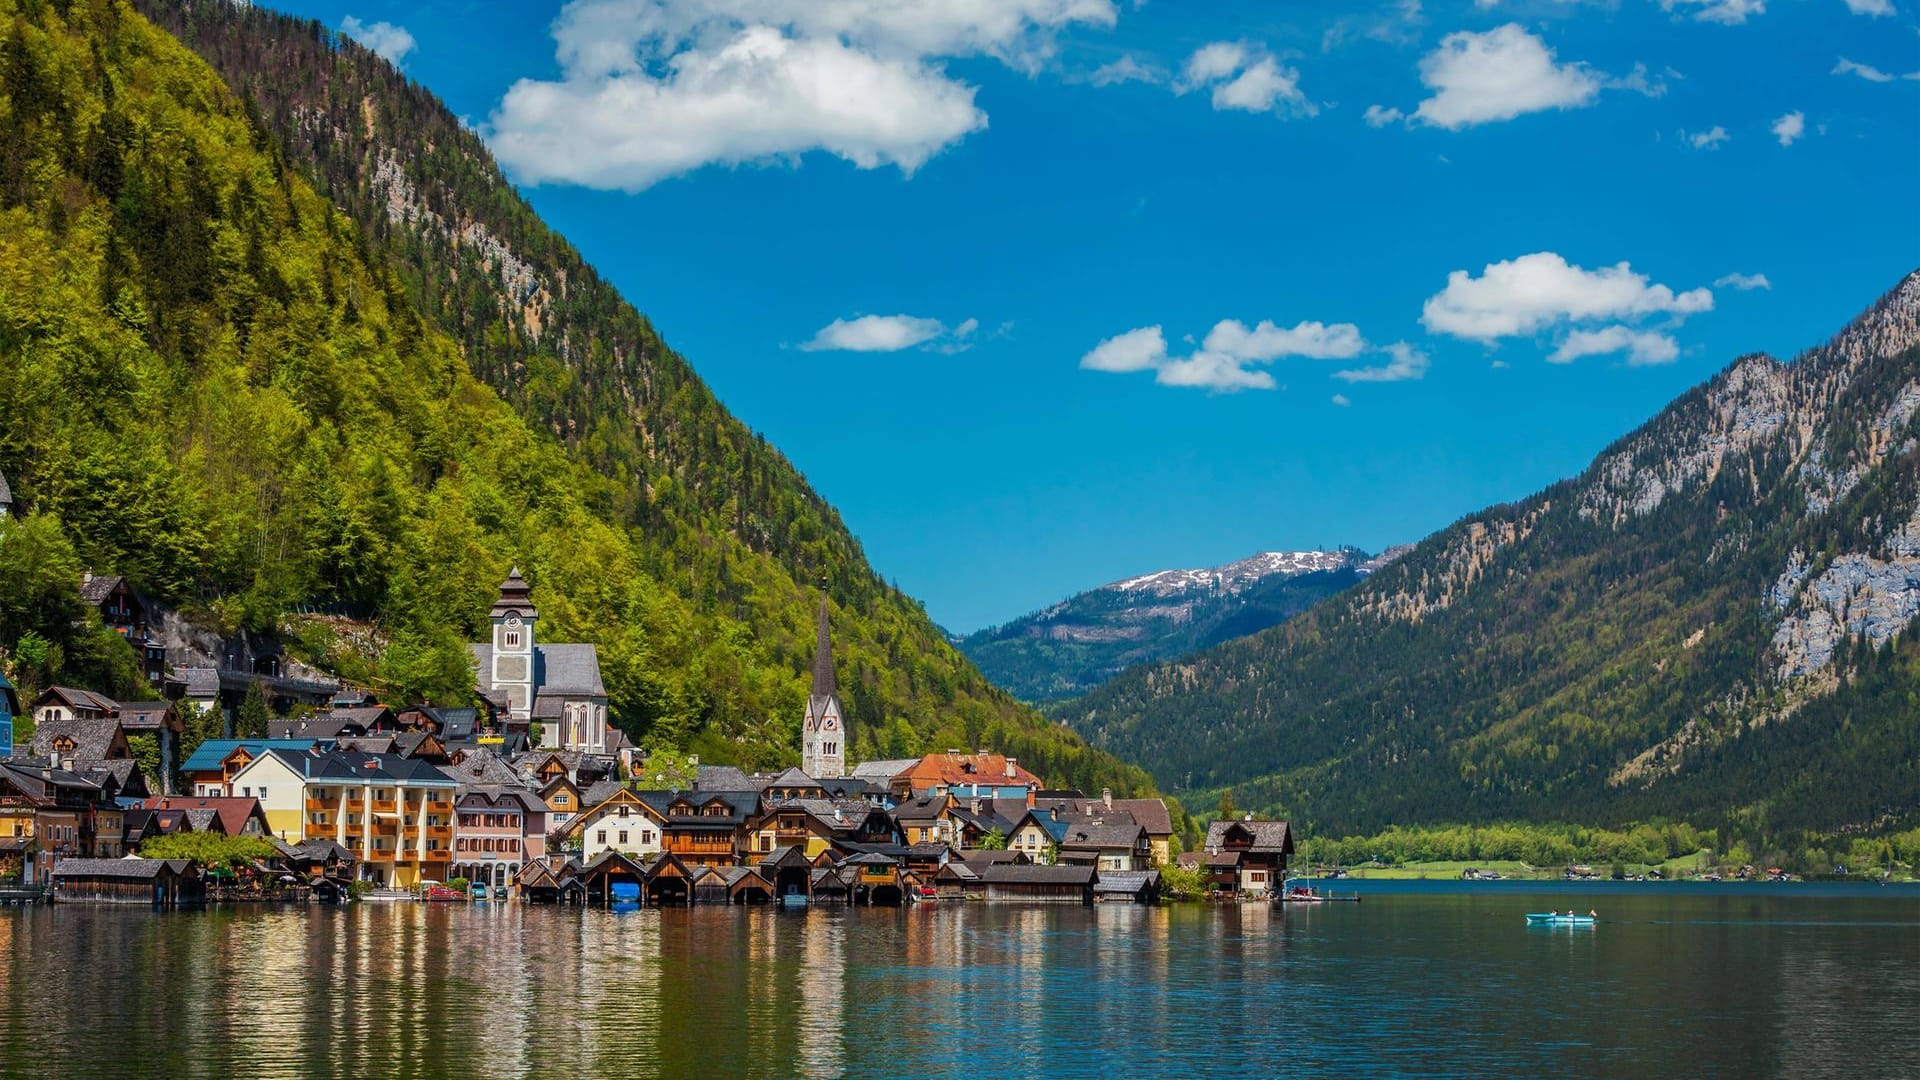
(514, 666)
(823, 733)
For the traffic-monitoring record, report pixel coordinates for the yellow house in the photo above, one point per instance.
(786, 825)
(394, 814)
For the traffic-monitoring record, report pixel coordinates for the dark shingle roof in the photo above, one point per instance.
(1128, 882)
(1017, 874)
(130, 869)
(559, 670)
(1152, 814)
(1101, 834)
(721, 778)
(1268, 836)
(346, 766)
(740, 806)
(92, 739)
(98, 587)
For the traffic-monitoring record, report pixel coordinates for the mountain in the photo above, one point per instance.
(1713, 623)
(292, 356)
(1086, 639)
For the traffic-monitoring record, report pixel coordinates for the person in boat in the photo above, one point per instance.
(1591, 914)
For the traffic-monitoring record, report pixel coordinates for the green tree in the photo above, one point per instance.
(994, 840)
(1228, 811)
(250, 720)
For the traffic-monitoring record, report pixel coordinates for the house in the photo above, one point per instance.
(321, 863)
(703, 828)
(1258, 852)
(621, 821)
(1038, 835)
(1114, 843)
(667, 881)
(500, 829)
(210, 769)
(125, 612)
(974, 820)
(395, 814)
(926, 820)
(88, 741)
(1155, 820)
(985, 774)
(62, 805)
(552, 879)
(236, 816)
(792, 784)
(555, 686)
(158, 882)
(564, 801)
(1127, 887)
(813, 826)
(6, 497)
(1039, 884)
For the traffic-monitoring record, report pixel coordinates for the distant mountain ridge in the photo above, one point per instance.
(1073, 646)
(1718, 621)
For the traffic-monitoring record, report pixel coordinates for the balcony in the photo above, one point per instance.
(378, 855)
(440, 832)
(439, 855)
(385, 806)
(322, 805)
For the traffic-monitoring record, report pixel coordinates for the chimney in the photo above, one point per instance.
(1013, 767)
(1106, 796)
(53, 759)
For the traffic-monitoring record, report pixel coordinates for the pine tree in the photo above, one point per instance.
(251, 721)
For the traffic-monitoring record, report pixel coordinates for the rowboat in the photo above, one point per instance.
(1301, 894)
(1551, 918)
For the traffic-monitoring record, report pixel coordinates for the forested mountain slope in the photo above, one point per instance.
(218, 384)
(1075, 645)
(1714, 622)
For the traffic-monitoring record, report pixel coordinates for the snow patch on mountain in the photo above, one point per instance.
(1235, 577)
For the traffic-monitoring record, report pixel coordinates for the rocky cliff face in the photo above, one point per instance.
(1716, 618)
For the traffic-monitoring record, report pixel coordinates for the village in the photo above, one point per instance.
(535, 796)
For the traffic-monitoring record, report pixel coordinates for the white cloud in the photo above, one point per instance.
(653, 88)
(1244, 77)
(1136, 350)
(1378, 116)
(1498, 75)
(1790, 127)
(1407, 363)
(1869, 73)
(1743, 282)
(1341, 400)
(1875, 8)
(1640, 82)
(1643, 347)
(1729, 12)
(392, 43)
(1126, 69)
(888, 333)
(1269, 342)
(1229, 358)
(1523, 296)
(1707, 140)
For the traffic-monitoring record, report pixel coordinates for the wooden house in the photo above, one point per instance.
(1040, 884)
(1257, 851)
(156, 882)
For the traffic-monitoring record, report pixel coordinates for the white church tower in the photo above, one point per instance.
(513, 656)
(823, 734)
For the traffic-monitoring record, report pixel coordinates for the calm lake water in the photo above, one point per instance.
(1733, 982)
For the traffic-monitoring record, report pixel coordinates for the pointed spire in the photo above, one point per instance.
(823, 654)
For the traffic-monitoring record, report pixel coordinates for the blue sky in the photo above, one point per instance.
(1045, 293)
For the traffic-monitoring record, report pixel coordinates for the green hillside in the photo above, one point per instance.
(1714, 623)
(217, 383)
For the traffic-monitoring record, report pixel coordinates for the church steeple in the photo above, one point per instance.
(823, 655)
(823, 734)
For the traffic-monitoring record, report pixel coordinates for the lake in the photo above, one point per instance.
(1416, 980)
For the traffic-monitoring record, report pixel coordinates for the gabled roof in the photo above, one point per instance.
(740, 805)
(97, 587)
(1268, 836)
(209, 755)
(883, 772)
(229, 813)
(1048, 821)
(80, 699)
(93, 740)
(1126, 882)
(620, 796)
(950, 770)
(482, 768)
(349, 768)
(130, 869)
(147, 715)
(793, 778)
(721, 778)
(1104, 834)
(567, 670)
(523, 800)
(1152, 814)
(36, 778)
(1024, 874)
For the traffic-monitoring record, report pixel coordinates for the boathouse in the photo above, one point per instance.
(1040, 884)
(158, 882)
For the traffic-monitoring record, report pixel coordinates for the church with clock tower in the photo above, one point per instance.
(823, 733)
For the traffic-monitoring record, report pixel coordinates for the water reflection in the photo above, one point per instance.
(1410, 984)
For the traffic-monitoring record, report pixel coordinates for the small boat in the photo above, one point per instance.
(1301, 894)
(1554, 918)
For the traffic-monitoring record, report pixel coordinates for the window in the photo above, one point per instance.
(263, 792)
(246, 791)
(511, 639)
(623, 837)
(600, 837)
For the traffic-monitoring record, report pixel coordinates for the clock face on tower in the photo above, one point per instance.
(830, 724)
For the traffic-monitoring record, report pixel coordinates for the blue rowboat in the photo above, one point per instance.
(1549, 918)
